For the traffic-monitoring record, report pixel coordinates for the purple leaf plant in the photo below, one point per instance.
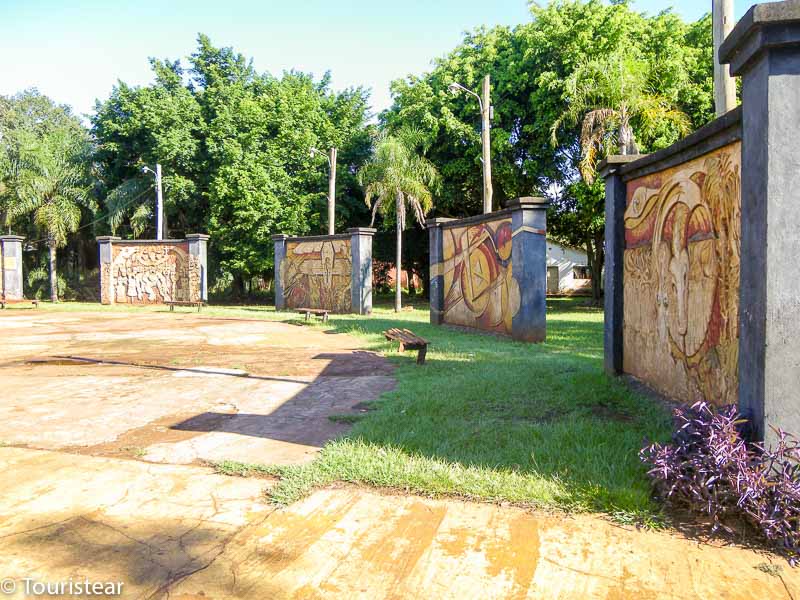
(710, 469)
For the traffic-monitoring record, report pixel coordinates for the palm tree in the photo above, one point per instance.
(52, 186)
(398, 177)
(121, 203)
(609, 95)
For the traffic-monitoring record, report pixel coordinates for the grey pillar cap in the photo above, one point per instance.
(197, 236)
(770, 25)
(437, 222)
(528, 202)
(279, 236)
(610, 164)
(11, 238)
(362, 231)
(108, 238)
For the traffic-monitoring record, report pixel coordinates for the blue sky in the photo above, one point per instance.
(75, 50)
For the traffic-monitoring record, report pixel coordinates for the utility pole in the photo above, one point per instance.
(724, 84)
(486, 125)
(332, 192)
(159, 205)
(485, 105)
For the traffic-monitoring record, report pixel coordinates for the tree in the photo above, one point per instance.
(395, 179)
(27, 119)
(234, 147)
(531, 66)
(610, 96)
(53, 186)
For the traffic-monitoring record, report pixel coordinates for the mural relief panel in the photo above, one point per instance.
(681, 278)
(318, 274)
(151, 273)
(479, 289)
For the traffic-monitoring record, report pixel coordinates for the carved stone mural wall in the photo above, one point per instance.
(318, 274)
(681, 278)
(151, 273)
(479, 289)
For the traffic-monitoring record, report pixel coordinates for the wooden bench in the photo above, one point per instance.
(173, 303)
(408, 341)
(320, 312)
(3, 302)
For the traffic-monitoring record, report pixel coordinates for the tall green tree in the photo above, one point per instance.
(531, 66)
(53, 187)
(234, 147)
(611, 97)
(398, 179)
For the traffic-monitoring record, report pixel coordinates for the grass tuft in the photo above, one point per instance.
(487, 418)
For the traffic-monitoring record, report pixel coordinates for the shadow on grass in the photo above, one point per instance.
(491, 418)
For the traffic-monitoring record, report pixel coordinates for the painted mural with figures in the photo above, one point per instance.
(479, 289)
(681, 278)
(318, 274)
(151, 273)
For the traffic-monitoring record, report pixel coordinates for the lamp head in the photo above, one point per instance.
(454, 88)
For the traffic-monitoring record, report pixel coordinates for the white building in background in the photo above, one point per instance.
(567, 270)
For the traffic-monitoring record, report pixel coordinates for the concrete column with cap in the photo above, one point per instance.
(11, 265)
(436, 262)
(616, 201)
(529, 266)
(198, 247)
(361, 280)
(280, 255)
(764, 50)
(106, 256)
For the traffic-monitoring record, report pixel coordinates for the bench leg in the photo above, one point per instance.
(307, 314)
(421, 355)
(325, 318)
(171, 307)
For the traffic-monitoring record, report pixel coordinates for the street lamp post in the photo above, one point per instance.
(485, 105)
(159, 201)
(331, 187)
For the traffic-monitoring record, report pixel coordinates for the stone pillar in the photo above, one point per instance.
(616, 202)
(198, 257)
(280, 255)
(361, 282)
(11, 253)
(529, 267)
(106, 276)
(764, 50)
(436, 261)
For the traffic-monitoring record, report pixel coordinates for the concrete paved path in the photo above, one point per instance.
(183, 532)
(106, 418)
(177, 387)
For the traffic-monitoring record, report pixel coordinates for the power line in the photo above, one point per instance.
(105, 216)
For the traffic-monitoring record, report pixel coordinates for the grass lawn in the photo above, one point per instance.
(488, 418)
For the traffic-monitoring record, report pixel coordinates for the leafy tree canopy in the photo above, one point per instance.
(531, 67)
(234, 146)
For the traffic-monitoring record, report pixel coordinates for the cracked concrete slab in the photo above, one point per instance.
(176, 531)
(179, 388)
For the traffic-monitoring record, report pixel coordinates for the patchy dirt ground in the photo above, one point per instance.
(104, 417)
(185, 532)
(179, 388)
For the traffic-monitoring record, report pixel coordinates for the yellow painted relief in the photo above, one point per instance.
(681, 278)
(318, 274)
(479, 289)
